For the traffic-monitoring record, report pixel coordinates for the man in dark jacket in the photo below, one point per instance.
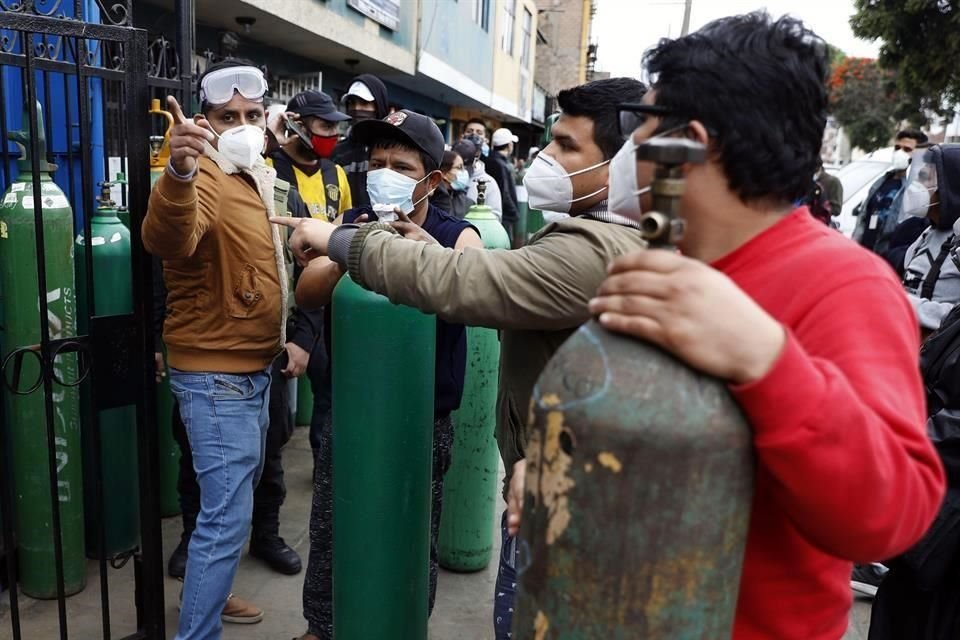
(365, 99)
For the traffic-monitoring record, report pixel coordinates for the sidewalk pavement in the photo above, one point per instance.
(463, 610)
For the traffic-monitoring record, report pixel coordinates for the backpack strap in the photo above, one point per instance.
(926, 290)
(331, 187)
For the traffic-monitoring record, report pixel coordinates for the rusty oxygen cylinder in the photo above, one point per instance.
(639, 478)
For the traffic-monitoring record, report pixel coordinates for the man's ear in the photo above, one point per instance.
(699, 133)
(433, 180)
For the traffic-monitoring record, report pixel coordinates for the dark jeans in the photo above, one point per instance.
(318, 584)
(505, 592)
(271, 492)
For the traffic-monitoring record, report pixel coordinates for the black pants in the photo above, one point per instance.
(318, 583)
(271, 491)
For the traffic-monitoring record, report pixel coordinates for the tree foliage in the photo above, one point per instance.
(921, 42)
(864, 100)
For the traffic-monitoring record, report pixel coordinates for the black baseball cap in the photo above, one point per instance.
(419, 131)
(316, 104)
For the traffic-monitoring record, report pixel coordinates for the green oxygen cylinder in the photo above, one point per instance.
(113, 295)
(26, 415)
(470, 486)
(383, 393)
(639, 479)
(304, 402)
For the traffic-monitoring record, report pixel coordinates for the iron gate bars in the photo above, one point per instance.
(116, 352)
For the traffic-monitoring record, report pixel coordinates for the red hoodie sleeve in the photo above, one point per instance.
(839, 424)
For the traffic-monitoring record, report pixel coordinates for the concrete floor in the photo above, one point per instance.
(463, 610)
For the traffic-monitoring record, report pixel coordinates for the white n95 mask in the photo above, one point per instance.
(624, 198)
(242, 145)
(549, 187)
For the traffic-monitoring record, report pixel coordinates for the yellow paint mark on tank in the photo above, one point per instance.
(540, 626)
(554, 479)
(588, 467)
(550, 400)
(610, 461)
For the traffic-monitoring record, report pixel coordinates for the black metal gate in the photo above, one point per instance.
(88, 69)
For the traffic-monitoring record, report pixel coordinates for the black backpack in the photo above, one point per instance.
(936, 555)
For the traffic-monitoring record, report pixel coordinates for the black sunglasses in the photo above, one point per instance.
(633, 114)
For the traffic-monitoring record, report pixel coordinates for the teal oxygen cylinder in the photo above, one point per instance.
(383, 396)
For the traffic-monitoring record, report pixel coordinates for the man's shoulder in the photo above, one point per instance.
(616, 237)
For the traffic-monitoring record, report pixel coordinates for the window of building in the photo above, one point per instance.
(509, 17)
(527, 37)
(481, 13)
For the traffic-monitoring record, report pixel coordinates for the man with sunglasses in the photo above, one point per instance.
(812, 333)
(537, 295)
(223, 263)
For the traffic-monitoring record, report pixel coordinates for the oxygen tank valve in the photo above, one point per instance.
(663, 227)
(481, 192)
(105, 199)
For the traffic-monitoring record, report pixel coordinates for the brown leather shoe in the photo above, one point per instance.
(240, 611)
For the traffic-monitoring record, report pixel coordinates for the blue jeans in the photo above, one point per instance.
(226, 418)
(506, 588)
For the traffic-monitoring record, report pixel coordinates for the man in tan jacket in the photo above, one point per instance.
(537, 295)
(208, 220)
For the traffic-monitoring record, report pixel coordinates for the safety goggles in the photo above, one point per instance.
(634, 115)
(218, 87)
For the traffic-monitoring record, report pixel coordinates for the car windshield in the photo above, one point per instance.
(859, 174)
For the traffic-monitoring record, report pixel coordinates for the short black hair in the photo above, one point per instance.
(758, 86)
(468, 151)
(449, 157)
(396, 142)
(475, 121)
(913, 134)
(226, 63)
(502, 147)
(599, 101)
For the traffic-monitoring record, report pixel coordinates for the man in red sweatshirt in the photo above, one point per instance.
(813, 333)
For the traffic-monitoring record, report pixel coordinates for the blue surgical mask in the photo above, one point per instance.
(388, 189)
(462, 181)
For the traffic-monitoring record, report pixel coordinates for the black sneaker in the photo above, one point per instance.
(867, 577)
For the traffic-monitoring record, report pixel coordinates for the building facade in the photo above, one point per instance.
(448, 59)
(565, 55)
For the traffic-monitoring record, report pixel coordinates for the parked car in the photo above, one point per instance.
(857, 177)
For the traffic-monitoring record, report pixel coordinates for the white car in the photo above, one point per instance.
(857, 177)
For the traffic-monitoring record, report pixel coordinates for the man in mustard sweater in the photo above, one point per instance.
(208, 220)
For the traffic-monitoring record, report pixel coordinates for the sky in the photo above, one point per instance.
(624, 29)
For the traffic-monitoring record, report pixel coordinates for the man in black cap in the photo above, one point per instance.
(406, 150)
(304, 160)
